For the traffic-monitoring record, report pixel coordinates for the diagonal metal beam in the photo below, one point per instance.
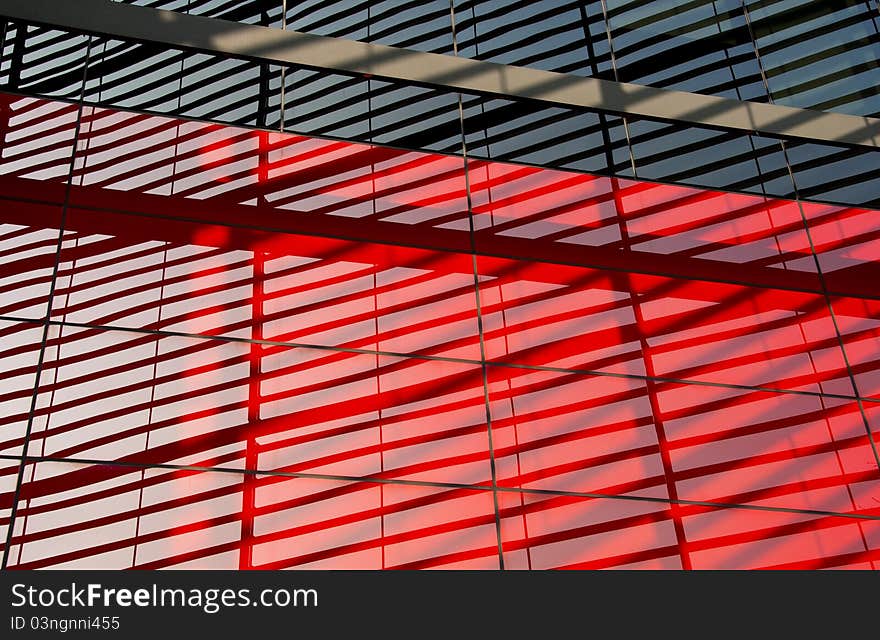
(266, 44)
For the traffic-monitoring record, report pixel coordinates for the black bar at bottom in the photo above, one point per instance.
(229, 604)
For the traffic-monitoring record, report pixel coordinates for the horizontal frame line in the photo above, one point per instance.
(440, 485)
(423, 356)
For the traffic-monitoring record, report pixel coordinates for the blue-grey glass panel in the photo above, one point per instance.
(326, 104)
(545, 34)
(708, 158)
(167, 81)
(170, 5)
(135, 76)
(162, 80)
(701, 47)
(414, 117)
(43, 61)
(422, 25)
(820, 55)
(597, 40)
(548, 136)
(265, 12)
(329, 18)
(836, 174)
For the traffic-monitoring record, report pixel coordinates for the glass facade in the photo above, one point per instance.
(255, 316)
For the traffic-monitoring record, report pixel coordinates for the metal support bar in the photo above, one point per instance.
(284, 47)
